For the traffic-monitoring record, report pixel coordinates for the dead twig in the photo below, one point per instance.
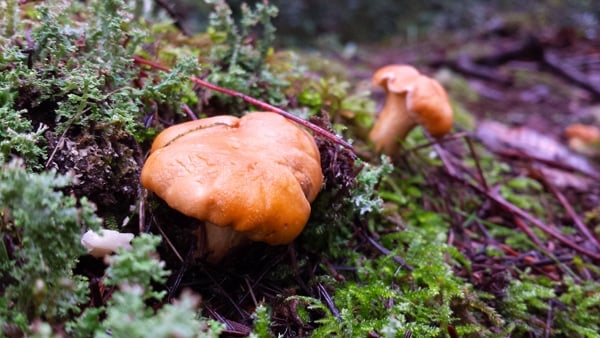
(530, 49)
(465, 65)
(219, 286)
(173, 287)
(527, 230)
(549, 319)
(250, 290)
(169, 243)
(189, 112)
(232, 328)
(477, 164)
(387, 252)
(511, 208)
(563, 165)
(571, 212)
(327, 298)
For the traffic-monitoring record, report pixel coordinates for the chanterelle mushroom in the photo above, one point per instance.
(411, 99)
(251, 177)
(584, 139)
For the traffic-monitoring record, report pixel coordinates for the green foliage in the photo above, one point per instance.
(132, 272)
(137, 266)
(582, 301)
(262, 321)
(523, 300)
(80, 76)
(413, 288)
(18, 136)
(238, 60)
(47, 224)
(174, 88)
(87, 69)
(330, 226)
(364, 198)
(9, 14)
(520, 192)
(333, 94)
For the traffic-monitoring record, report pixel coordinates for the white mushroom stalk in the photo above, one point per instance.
(105, 242)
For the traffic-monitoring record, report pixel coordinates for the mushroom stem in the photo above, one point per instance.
(393, 124)
(218, 241)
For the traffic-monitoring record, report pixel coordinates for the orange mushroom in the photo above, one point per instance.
(411, 99)
(252, 177)
(584, 139)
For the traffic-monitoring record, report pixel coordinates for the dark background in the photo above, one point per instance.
(306, 22)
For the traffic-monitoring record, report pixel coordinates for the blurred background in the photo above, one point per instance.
(308, 22)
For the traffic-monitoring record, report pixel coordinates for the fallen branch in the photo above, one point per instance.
(263, 105)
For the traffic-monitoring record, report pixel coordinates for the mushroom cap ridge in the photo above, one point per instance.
(396, 78)
(257, 174)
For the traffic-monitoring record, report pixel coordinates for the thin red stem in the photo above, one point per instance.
(263, 105)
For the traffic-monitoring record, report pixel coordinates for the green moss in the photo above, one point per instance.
(45, 227)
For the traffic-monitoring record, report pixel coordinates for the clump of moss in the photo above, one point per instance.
(41, 230)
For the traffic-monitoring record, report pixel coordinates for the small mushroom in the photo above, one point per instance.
(252, 177)
(105, 242)
(584, 139)
(411, 99)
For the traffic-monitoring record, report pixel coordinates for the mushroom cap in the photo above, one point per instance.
(586, 133)
(256, 174)
(396, 78)
(411, 99)
(429, 105)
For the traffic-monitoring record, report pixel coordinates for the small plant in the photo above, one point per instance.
(262, 321)
(239, 60)
(132, 273)
(44, 226)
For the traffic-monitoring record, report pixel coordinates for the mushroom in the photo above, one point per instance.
(105, 242)
(411, 99)
(584, 139)
(247, 178)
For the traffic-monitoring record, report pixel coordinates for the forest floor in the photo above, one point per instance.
(440, 226)
(534, 83)
(543, 81)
